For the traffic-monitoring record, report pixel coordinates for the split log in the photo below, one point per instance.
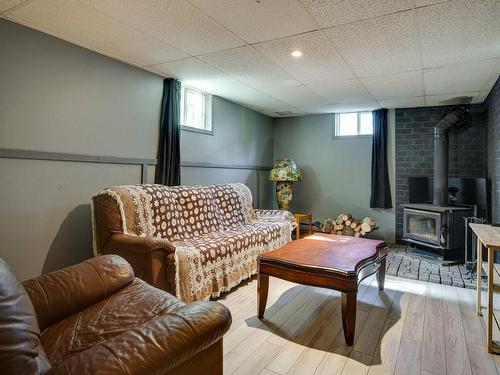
(365, 227)
(370, 221)
(327, 225)
(348, 231)
(346, 217)
(347, 225)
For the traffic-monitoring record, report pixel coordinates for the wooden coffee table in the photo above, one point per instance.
(328, 261)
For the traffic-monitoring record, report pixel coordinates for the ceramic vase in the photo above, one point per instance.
(284, 194)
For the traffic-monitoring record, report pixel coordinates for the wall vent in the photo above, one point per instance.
(286, 114)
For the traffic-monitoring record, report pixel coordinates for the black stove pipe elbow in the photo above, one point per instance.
(453, 118)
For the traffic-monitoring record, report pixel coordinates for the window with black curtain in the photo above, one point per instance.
(168, 167)
(380, 186)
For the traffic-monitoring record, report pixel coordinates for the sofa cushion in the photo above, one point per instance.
(21, 351)
(217, 261)
(164, 344)
(125, 310)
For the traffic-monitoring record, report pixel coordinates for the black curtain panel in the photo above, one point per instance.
(168, 167)
(381, 189)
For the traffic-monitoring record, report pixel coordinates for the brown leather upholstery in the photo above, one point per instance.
(96, 317)
(148, 256)
(65, 292)
(21, 350)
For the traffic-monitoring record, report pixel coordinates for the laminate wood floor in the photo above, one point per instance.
(412, 327)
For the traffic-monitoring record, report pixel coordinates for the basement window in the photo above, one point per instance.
(196, 110)
(353, 124)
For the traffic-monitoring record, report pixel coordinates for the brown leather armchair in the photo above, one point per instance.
(97, 318)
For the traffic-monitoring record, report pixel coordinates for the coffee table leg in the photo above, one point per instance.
(349, 301)
(262, 289)
(381, 275)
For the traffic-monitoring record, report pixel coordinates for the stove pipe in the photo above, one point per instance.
(453, 118)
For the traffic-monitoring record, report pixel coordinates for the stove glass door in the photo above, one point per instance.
(423, 226)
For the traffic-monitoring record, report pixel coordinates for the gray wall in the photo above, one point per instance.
(62, 98)
(241, 138)
(336, 172)
(58, 97)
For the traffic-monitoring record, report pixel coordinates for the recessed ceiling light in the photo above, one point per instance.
(297, 53)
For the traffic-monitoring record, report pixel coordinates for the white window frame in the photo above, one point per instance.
(206, 114)
(336, 126)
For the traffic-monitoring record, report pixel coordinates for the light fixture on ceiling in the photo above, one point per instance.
(296, 53)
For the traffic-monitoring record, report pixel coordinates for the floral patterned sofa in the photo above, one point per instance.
(193, 241)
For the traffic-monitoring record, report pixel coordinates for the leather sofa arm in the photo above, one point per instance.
(156, 346)
(64, 292)
(136, 244)
(148, 256)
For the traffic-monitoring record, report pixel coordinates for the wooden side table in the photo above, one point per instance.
(302, 218)
(489, 237)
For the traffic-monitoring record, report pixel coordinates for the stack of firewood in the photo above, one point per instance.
(347, 225)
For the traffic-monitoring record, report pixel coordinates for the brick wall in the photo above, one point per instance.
(415, 149)
(493, 105)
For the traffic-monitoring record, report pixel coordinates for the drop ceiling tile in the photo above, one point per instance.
(251, 67)
(318, 109)
(384, 45)
(83, 25)
(403, 103)
(176, 22)
(319, 61)
(300, 97)
(452, 99)
(245, 95)
(355, 107)
(256, 21)
(399, 85)
(423, 3)
(198, 74)
(459, 31)
(335, 12)
(5, 5)
(350, 91)
(190, 69)
(461, 78)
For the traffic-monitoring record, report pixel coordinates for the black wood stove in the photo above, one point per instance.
(439, 226)
(438, 229)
